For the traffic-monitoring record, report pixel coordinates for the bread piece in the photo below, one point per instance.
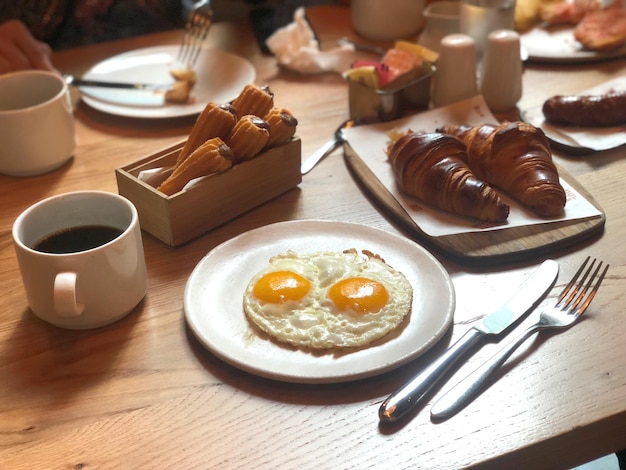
(248, 137)
(214, 121)
(179, 93)
(566, 11)
(181, 88)
(213, 156)
(516, 158)
(282, 126)
(602, 30)
(186, 74)
(253, 100)
(433, 167)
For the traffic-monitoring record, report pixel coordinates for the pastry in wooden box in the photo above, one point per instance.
(248, 137)
(213, 156)
(220, 138)
(282, 126)
(253, 100)
(215, 120)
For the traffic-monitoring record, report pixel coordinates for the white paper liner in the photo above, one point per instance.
(155, 176)
(369, 143)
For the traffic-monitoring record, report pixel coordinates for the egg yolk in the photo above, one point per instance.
(359, 294)
(279, 286)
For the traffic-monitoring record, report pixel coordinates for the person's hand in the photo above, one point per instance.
(19, 50)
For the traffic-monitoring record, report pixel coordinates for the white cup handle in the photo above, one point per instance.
(65, 295)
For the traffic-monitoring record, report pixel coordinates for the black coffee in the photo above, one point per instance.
(74, 239)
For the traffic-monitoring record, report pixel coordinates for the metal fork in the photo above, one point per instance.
(570, 305)
(196, 30)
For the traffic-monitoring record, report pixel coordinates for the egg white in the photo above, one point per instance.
(314, 321)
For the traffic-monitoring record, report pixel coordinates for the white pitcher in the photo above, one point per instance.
(442, 19)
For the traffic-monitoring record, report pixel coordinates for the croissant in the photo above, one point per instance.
(433, 167)
(516, 158)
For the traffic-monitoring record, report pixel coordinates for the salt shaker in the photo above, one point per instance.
(455, 79)
(501, 71)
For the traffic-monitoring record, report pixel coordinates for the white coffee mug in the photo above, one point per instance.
(386, 20)
(94, 286)
(36, 123)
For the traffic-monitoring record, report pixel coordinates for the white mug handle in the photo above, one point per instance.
(65, 295)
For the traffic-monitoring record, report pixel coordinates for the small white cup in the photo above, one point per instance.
(36, 123)
(386, 20)
(81, 289)
(455, 78)
(501, 71)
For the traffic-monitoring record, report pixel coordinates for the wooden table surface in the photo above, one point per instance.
(143, 392)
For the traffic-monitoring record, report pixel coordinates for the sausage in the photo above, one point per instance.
(589, 111)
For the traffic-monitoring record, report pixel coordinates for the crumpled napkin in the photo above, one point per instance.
(296, 48)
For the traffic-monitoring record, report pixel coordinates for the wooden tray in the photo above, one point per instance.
(490, 247)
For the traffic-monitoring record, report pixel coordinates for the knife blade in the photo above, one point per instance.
(78, 82)
(325, 150)
(409, 395)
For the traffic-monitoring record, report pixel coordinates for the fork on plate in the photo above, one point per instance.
(571, 304)
(196, 30)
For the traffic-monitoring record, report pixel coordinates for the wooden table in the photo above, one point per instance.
(143, 393)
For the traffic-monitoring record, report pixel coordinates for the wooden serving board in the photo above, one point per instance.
(489, 247)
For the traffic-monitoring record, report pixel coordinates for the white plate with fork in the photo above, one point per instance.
(221, 77)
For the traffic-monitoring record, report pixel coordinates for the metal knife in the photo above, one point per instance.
(400, 402)
(74, 81)
(325, 150)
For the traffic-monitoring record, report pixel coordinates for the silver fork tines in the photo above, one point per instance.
(566, 298)
(570, 305)
(196, 31)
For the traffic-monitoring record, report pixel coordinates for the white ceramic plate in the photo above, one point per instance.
(586, 139)
(221, 77)
(214, 297)
(557, 44)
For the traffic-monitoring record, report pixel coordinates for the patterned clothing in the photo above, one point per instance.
(67, 23)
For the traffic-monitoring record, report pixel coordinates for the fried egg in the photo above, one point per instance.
(327, 300)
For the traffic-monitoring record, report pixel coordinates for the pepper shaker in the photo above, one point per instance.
(501, 71)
